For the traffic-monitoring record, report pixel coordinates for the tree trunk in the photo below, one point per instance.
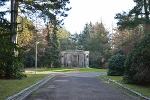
(146, 15)
(14, 13)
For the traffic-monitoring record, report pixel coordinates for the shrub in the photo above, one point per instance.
(115, 65)
(94, 65)
(137, 64)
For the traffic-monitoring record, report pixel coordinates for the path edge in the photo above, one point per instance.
(25, 92)
(125, 88)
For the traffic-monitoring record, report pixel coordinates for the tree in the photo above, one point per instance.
(137, 61)
(139, 15)
(94, 39)
(54, 50)
(85, 37)
(137, 69)
(25, 31)
(123, 41)
(48, 10)
(63, 39)
(10, 65)
(99, 46)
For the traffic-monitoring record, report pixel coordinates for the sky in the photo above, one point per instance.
(85, 11)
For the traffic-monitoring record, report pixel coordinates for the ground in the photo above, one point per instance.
(78, 86)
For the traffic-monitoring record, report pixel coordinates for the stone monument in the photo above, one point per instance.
(76, 58)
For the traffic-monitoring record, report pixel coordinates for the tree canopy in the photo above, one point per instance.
(138, 15)
(23, 15)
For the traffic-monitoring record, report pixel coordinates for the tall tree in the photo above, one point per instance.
(47, 52)
(94, 39)
(138, 15)
(85, 37)
(54, 50)
(63, 37)
(99, 46)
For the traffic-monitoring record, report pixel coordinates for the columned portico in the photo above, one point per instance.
(75, 58)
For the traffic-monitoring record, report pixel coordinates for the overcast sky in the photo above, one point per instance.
(84, 11)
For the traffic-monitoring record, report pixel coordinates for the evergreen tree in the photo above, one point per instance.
(94, 39)
(84, 38)
(10, 65)
(47, 55)
(99, 46)
(138, 15)
(63, 37)
(54, 50)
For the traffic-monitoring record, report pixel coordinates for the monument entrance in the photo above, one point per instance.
(77, 58)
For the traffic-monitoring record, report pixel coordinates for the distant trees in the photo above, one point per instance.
(49, 47)
(64, 39)
(94, 38)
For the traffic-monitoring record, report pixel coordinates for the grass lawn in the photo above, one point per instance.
(72, 70)
(13, 86)
(144, 90)
(92, 70)
(56, 70)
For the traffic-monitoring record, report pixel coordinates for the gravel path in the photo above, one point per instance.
(77, 86)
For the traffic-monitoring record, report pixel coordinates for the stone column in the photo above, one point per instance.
(77, 61)
(65, 60)
(87, 59)
(62, 60)
(69, 56)
(81, 60)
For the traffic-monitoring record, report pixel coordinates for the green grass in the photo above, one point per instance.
(72, 70)
(56, 70)
(144, 90)
(92, 70)
(13, 86)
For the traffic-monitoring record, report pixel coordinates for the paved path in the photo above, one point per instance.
(77, 86)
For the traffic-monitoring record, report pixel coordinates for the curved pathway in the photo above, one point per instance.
(77, 86)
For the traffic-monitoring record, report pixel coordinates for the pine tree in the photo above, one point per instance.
(98, 46)
(94, 39)
(139, 15)
(84, 38)
(54, 50)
